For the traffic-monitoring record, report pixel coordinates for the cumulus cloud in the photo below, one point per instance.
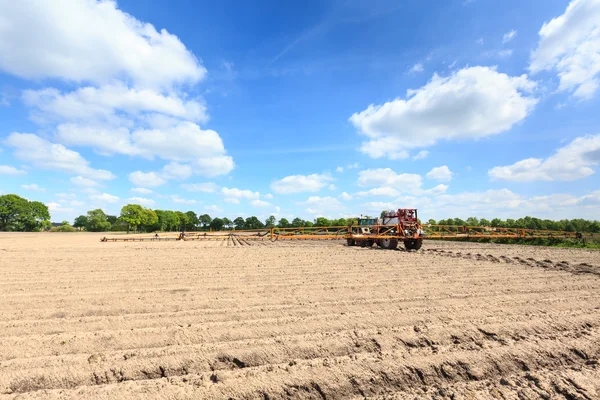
(442, 174)
(109, 102)
(104, 197)
(213, 207)
(146, 179)
(53, 156)
(339, 169)
(379, 192)
(388, 177)
(206, 187)
(571, 162)
(9, 170)
(322, 205)
(81, 181)
(83, 40)
(260, 203)
(418, 67)
(570, 45)
(176, 171)
(180, 200)
(301, 183)
(34, 187)
(142, 190)
(142, 201)
(461, 106)
(231, 200)
(268, 196)
(345, 196)
(239, 193)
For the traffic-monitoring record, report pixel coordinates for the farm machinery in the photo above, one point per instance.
(387, 231)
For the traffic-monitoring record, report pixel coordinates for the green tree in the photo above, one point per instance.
(322, 221)
(253, 223)
(112, 219)
(19, 214)
(183, 220)
(132, 215)
(227, 223)
(81, 222)
(239, 223)
(216, 224)
(297, 222)
(205, 220)
(283, 223)
(270, 222)
(432, 221)
(149, 219)
(472, 221)
(171, 221)
(192, 221)
(484, 222)
(97, 221)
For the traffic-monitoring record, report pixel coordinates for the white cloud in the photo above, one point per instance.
(213, 208)
(214, 166)
(418, 67)
(54, 156)
(57, 208)
(79, 40)
(442, 174)
(421, 155)
(508, 36)
(462, 106)
(141, 200)
(345, 196)
(301, 183)
(176, 171)
(379, 192)
(206, 187)
(33, 187)
(322, 206)
(9, 170)
(331, 187)
(571, 162)
(105, 102)
(504, 53)
(260, 203)
(570, 45)
(268, 196)
(339, 169)
(353, 166)
(142, 190)
(177, 199)
(439, 189)
(81, 181)
(146, 179)
(376, 207)
(104, 197)
(239, 193)
(387, 177)
(231, 201)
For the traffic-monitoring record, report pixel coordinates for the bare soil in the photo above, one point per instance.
(295, 319)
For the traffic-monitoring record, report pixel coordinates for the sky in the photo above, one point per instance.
(303, 108)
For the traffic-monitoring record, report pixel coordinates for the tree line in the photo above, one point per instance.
(19, 214)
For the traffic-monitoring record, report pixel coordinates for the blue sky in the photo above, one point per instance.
(308, 108)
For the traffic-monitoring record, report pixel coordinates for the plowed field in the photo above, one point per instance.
(295, 319)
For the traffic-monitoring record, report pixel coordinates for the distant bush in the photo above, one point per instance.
(63, 228)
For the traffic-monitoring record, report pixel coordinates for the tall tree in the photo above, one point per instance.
(132, 215)
(297, 222)
(19, 214)
(192, 221)
(81, 222)
(283, 223)
(239, 223)
(227, 223)
(216, 224)
(270, 222)
(253, 223)
(205, 220)
(97, 221)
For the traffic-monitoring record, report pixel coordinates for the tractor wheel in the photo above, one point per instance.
(413, 244)
(350, 242)
(370, 242)
(389, 244)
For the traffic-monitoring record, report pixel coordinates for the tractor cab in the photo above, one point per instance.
(365, 224)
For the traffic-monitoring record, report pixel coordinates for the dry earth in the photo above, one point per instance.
(301, 319)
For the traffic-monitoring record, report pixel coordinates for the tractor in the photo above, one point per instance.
(393, 226)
